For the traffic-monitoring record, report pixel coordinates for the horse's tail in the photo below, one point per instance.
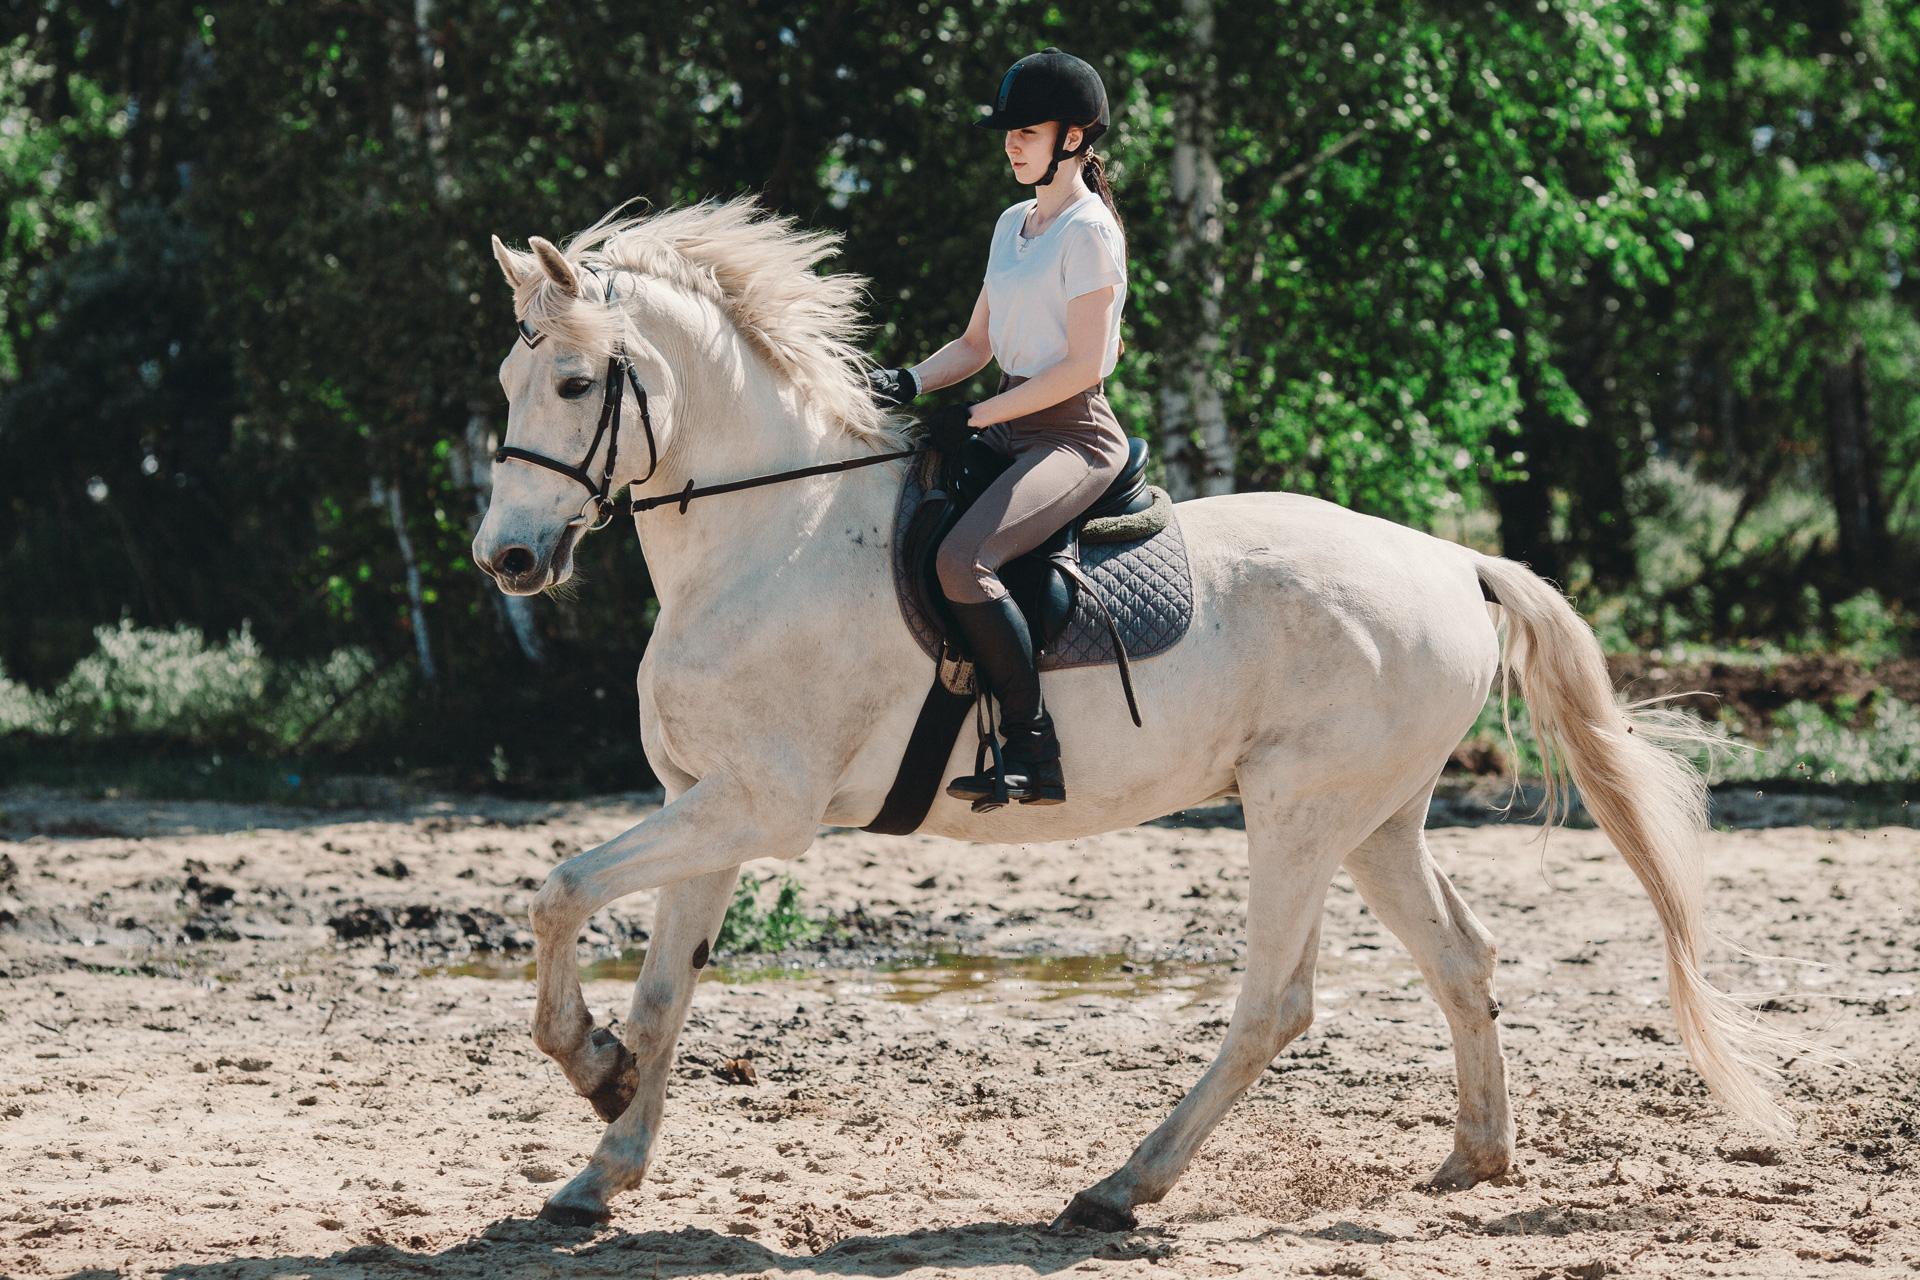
(1652, 803)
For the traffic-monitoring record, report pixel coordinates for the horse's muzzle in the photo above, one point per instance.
(519, 570)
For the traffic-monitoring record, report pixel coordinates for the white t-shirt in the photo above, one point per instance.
(1029, 281)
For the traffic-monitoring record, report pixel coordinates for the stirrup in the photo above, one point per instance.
(987, 788)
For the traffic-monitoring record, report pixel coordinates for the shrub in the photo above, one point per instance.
(151, 683)
(22, 710)
(176, 686)
(1864, 626)
(1808, 742)
(347, 699)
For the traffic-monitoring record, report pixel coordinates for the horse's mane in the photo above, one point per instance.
(759, 270)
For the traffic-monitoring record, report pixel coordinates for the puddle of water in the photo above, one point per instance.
(947, 976)
(971, 979)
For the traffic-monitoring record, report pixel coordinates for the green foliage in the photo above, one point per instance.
(174, 686)
(1599, 282)
(1808, 742)
(147, 683)
(778, 926)
(1711, 562)
(49, 210)
(1875, 743)
(1867, 628)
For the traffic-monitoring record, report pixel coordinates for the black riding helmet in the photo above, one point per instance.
(1051, 85)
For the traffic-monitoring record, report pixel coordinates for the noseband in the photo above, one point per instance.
(620, 375)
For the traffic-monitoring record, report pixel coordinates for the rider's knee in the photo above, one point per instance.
(959, 573)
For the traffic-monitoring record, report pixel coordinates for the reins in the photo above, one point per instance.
(688, 494)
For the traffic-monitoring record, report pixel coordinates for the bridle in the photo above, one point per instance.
(620, 374)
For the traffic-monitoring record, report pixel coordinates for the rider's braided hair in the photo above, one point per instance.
(1093, 172)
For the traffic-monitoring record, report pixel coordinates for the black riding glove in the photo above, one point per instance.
(893, 387)
(947, 429)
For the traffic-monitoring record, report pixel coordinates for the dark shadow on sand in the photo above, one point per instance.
(530, 1247)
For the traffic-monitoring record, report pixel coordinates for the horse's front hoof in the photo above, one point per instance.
(1087, 1212)
(562, 1214)
(614, 1094)
(1461, 1171)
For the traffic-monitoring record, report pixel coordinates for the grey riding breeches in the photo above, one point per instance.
(1064, 457)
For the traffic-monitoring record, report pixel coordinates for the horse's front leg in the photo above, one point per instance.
(685, 925)
(711, 829)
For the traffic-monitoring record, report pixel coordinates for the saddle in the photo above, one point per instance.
(1111, 585)
(1044, 582)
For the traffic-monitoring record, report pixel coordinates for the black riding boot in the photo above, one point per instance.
(1028, 769)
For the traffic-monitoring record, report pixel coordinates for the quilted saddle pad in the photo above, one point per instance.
(1147, 584)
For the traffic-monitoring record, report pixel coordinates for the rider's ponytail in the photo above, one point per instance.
(1093, 171)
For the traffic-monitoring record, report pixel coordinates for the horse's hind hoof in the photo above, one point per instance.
(614, 1094)
(1085, 1211)
(574, 1215)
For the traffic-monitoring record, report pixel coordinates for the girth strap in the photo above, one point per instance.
(923, 767)
(1071, 567)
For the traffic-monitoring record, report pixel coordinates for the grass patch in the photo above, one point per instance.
(778, 925)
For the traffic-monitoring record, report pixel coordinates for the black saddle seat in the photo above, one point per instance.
(1044, 591)
(979, 465)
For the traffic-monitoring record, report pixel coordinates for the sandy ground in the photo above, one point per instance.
(250, 1043)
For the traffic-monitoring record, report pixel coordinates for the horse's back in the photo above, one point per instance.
(1366, 613)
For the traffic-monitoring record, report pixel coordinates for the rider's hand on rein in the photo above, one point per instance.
(947, 429)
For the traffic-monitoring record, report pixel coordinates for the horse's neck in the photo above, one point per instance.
(734, 536)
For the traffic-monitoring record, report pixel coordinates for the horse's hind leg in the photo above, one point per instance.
(1399, 882)
(1293, 855)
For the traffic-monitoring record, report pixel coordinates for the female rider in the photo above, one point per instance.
(1049, 314)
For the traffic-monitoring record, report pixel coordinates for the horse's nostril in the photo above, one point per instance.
(515, 561)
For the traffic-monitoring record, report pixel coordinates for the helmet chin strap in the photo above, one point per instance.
(1060, 153)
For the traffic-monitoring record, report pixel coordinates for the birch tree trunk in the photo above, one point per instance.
(386, 495)
(1195, 442)
(470, 471)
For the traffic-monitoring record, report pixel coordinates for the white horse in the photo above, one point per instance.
(1333, 662)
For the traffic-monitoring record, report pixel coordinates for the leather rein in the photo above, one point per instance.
(620, 375)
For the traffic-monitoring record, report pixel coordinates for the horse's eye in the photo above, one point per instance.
(574, 388)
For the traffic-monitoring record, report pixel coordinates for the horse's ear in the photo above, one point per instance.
(517, 267)
(514, 266)
(555, 264)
